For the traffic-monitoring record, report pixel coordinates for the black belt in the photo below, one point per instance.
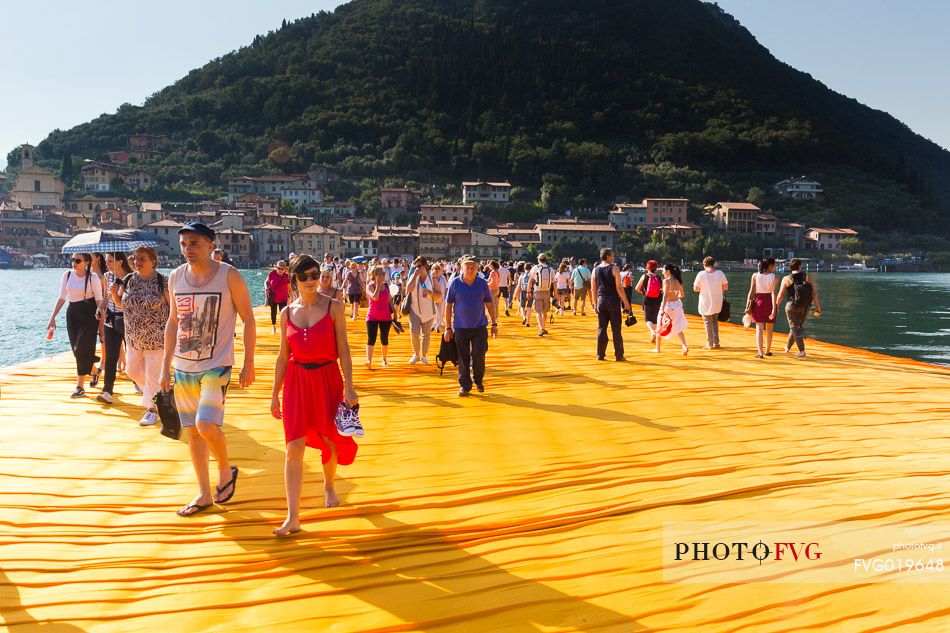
(314, 365)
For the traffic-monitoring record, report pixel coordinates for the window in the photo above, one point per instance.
(36, 185)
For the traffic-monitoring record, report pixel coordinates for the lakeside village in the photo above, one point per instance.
(264, 218)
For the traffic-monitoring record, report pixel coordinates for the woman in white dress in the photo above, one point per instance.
(672, 307)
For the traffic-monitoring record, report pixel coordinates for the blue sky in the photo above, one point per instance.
(89, 58)
(890, 55)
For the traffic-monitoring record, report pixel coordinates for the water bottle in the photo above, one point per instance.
(49, 334)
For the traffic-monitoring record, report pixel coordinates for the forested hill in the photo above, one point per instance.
(597, 99)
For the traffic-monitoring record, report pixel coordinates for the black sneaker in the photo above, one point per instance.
(95, 380)
(621, 359)
(463, 392)
(479, 387)
(79, 393)
(600, 358)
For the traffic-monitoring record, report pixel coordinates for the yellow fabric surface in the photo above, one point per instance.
(537, 506)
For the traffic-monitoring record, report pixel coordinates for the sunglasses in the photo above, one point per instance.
(78, 260)
(312, 276)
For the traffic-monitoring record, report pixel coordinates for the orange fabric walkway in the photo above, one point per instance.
(538, 506)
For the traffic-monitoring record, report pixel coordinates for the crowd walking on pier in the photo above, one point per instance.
(178, 332)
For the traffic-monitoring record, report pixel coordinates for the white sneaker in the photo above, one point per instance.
(150, 418)
(414, 359)
(424, 361)
(385, 363)
(105, 396)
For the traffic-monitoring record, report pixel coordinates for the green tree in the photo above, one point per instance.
(555, 195)
(66, 171)
(851, 244)
(630, 246)
(287, 207)
(575, 248)
(756, 195)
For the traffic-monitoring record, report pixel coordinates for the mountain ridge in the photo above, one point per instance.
(591, 100)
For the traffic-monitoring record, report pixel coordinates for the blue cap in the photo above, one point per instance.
(199, 228)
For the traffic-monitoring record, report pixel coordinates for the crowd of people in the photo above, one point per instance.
(179, 331)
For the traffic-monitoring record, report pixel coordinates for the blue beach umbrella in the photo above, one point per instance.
(124, 241)
(359, 259)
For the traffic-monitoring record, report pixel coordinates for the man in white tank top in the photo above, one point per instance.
(540, 281)
(206, 297)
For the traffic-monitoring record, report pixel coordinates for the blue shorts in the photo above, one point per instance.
(200, 395)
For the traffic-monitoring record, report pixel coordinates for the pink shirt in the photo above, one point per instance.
(379, 307)
(494, 280)
(278, 285)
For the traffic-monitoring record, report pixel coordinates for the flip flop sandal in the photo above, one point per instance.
(232, 484)
(192, 509)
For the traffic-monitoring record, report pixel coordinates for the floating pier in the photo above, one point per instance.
(536, 506)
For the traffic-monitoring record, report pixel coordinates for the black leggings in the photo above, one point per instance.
(275, 309)
(382, 327)
(114, 336)
(83, 328)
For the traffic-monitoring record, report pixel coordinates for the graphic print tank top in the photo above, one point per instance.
(206, 320)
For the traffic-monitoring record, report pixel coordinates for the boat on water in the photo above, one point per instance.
(12, 258)
(854, 268)
(40, 260)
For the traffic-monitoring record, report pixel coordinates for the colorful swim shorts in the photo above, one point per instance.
(200, 395)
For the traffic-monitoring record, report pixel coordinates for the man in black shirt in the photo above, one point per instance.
(607, 288)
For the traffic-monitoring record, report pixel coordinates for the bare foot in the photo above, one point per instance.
(332, 500)
(685, 350)
(288, 527)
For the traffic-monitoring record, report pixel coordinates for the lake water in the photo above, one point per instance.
(899, 314)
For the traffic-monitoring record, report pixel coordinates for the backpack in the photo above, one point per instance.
(802, 293)
(654, 287)
(539, 282)
(448, 353)
(161, 281)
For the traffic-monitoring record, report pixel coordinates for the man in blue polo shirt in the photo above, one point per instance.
(467, 299)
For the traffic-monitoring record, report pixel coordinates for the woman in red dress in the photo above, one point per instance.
(313, 350)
